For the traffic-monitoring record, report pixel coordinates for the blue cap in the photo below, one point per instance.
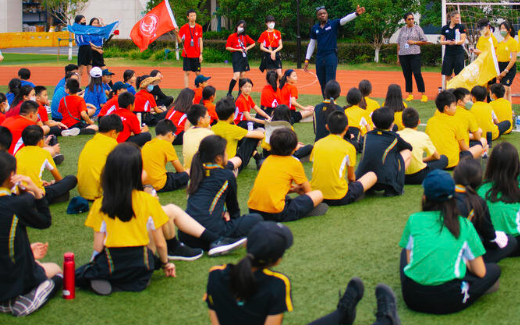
(438, 186)
(268, 240)
(119, 85)
(200, 78)
(77, 205)
(107, 72)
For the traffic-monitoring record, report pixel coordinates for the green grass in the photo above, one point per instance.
(35, 59)
(356, 240)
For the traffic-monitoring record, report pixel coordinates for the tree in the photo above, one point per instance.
(180, 7)
(382, 19)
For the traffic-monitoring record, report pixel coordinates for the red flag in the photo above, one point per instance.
(158, 21)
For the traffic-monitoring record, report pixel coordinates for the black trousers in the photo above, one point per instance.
(412, 64)
(166, 102)
(494, 255)
(417, 178)
(175, 181)
(335, 317)
(245, 150)
(448, 297)
(54, 191)
(140, 139)
(55, 130)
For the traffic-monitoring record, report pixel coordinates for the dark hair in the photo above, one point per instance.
(37, 90)
(272, 79)
(498, 90)
(479, 93)
(5, 139)
(240, 22)
(286, 75)
(468, 173)
(14, 86)
(224, 108)
(196, 112)
(24, 74)
(190, 11)
(8, 163)
(92, 21)
(394, 98)
(410, 118)
(365, 87)
(281, 113)
(449, 214)
(502, 172)
(354, 97)
(444, 98)
(184, 100)
(269, 18)
(72, 85)
(128, 74)
(283, 142)
(78, 18)
(29, 106)
(164, 127)
(460, 93)
(3, 98)
(383, 118)
(110, 122)
(510, 28)
(405, 16)
(32, 134)
(125, 99)
(207, 92)
(24, 91)
(95, 84)
(120, 177)
(483, 22)
(139, 79)
(70, 68)
(242, 281)
(332, 92)
(210, 148)
(69, 75)
(154, 73)
(244, 81)
(337, 122)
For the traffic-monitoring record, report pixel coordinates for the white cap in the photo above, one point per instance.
(96, 72)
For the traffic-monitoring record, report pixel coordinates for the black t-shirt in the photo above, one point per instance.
(273, 297)
(319, 121)
(449, 35)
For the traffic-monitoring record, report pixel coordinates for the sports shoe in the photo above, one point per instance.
(101, 287)
(386, 305)
(347, 304)
(6, 306)
(58, 159)
(184, 253)
(70, 132)
(30, 302)
(409, 98)
(319, 210)
(225, 245)
(424, 99)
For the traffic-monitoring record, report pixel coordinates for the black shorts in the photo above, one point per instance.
(97, 59)
(240, 63)
(85, 55)
(465, 154)
(354, 193)
(175, 181)
(510, 76)
(294, 209)
(452, 64)
(272, 64)
(191, 64)
(296, 116)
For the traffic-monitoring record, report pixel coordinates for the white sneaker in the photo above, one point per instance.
(70, 132)
(30, 302)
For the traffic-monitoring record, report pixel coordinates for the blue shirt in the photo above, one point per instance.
(326, 37)
(10, 97)
(106, 87)
(96, 97)
(96, 40)
(60, 84)
(130, 89)
(82, 40)
(56, 99)
(27, 83)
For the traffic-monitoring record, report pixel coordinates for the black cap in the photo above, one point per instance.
(268, 240)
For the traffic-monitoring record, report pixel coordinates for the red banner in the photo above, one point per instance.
(158, 21)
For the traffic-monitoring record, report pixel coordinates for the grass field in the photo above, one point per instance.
(357, 240)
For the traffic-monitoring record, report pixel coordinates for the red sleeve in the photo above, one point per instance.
(241, 104)
(249, 40)
(231, 41)
(42, 112)
(2, 118)
(153, 104)
(133, 123)
(182, 31)
(199, 29)
(82, 106)
(262, 38)
(251, 102)
(294, 92)
(61, 108)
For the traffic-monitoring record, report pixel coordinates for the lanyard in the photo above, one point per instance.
(190, 31)
(271, 39)
(241, 43)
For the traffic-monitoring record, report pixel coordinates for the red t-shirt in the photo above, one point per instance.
(178, 118)
(16, 124)
(71, 113)
(269, 97)
(198, 95)
(211, 111)
(188, 33)
(239, 42)
(14, 111)
(243, 105)
(43, 116)
(286, 93)
(144, 101)
(110, 107)
(130, 124)
(2, 118)
(270, 39)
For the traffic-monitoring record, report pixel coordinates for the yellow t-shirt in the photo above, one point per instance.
(445, 134)
(358, 118)
(91, 162)
(31, 161)
(331, 156)
(191, 142)
(484, 44)
(505, 49)
(156, 154)
(421, 143)
(503, 111)
(372, 105)
(149, 215)
(273, 183)
(398, 120)
(483, 113)
(468, 123)
(267, 146)
(231, 133)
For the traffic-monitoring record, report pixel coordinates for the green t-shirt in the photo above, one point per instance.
(504, 216)
(436, 255)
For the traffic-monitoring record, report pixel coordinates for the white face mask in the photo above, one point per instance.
(240, 30)
(270, 25)
(33, 98)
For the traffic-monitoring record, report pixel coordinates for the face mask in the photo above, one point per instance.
(32, 98)
(7, 107)
(150, 88)
(83, 24)
(503, 33)
(270, 25)
(240, 30)
(469, 104)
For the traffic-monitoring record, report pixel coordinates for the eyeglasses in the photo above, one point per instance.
(320, 8)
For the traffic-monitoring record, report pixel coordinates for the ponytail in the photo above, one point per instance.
(449, 214)
(474, 204)
(468, 173)
(242, 282)
(209, 149)
(196, 174)
(272, 79)
(363, 103)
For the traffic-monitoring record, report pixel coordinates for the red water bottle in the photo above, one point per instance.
(69, 280)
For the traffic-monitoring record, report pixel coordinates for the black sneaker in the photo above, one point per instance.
(347, 304)
(224, 245)
(319, 210)
(30, 302)
(184, 253)
(386, 305)
(101, 287)
(58, 159)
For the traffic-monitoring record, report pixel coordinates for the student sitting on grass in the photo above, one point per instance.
(68, 68)
(394, 101)
(240, 142)
(94, 154)
(106, 79)
(386, 154)
(468, 177)
(244, 104)
(157, 153)
(359, 120)
(4, 105)
(58, 96)
(289, 96)
(26, 283)
(421, 143)
(332, 158)
(161, 98)
(132, 130)
(33, 159)
(208, 97)
(146, 108)
(365, 87)
(325, 108)
(280, 175)
(200, 83)
(270, 96)
(74, 110)
(212, 198)
(5, 139)
(501, 106)
(442, 270)
(446, 132)
(94, 92)
(112, 105)
(198, 116)
(501, 190)
(24, 75)
(25, 93)
(129, 78)
(49, 126)
(177, 114)
(486, 118)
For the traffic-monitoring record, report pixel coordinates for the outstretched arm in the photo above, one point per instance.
(352, 16)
